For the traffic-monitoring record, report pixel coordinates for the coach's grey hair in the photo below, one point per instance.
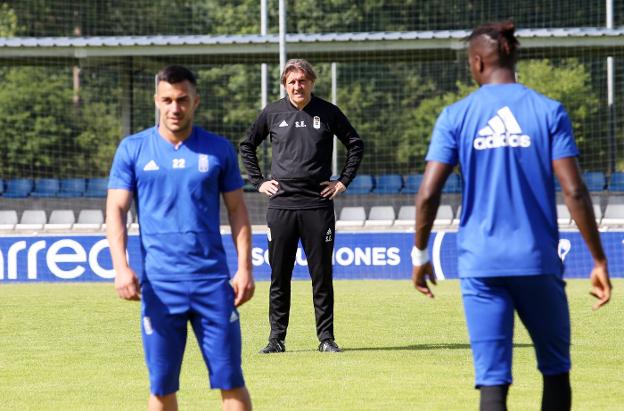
(298, 64)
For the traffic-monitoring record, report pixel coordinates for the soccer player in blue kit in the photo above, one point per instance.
(508, 141)
(176, 172)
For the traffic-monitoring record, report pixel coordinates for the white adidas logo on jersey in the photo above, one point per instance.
(151, 166)
(502, 130)
(283, 124)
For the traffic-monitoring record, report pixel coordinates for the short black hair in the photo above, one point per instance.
(176, 74)
(503, 33)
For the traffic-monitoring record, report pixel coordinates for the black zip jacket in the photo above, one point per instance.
(302, 142)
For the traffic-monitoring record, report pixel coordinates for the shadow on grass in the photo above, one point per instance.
(413, 347)
(424, 347)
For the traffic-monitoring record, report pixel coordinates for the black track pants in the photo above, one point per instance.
(315, 227)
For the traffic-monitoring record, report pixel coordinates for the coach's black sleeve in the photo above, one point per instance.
(345, 132)
(255, 135)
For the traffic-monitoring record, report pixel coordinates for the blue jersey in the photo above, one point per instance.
(176, 194)
(505, 137)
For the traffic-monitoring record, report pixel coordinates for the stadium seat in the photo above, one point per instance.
(8, 219)
(613, 215)
(1, 186)
(60, 220)
(453, 184)
(406, 217)
(18, 188)
(557, 185)
(89, 220)
(132, 222)
(361, 184)
(597, 213)
(32, 220)
(445, 215)
(351, 217)
(412, 184)
(616, 182)
(380, 216)
(46, 187)
(96, 187)
(594, 180)
(563, 215)
(72, 187)
(457, 217)
(388, 184)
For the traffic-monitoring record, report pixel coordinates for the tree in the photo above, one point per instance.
(8, 21)
(567, 81)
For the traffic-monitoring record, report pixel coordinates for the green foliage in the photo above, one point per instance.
(35, 118)
(415, 140)
(8, 21)
(99, 133)
(392, 104)
(45, 134)
(567, 81)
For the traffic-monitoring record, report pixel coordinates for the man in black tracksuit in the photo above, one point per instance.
(301, 128)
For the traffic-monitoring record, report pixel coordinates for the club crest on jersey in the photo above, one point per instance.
(202, 163)
(317, 122)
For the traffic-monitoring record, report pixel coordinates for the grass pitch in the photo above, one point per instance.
(77, 347)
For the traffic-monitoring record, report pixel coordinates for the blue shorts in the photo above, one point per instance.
(166, 308)
(542, 306)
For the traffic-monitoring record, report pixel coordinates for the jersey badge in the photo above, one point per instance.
(317, 122)
(151, 166)
(283, 124)
(203, 163)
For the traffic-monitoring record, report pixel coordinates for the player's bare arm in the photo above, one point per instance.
(579, 203)
(242, 282)
(427, 203)
(117, 206)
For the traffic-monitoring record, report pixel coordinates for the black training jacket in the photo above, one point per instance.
(302, 143)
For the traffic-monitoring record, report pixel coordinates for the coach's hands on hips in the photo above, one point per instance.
(332, 189)
(127, 284)
(244, 287)
(269, 187)
(601, 284)
(420, 273)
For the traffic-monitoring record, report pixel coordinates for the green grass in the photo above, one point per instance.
(77, 347)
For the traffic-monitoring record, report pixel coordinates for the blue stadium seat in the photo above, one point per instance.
(96, 187)
(72, 187)
(388, 184)
(18, 188)
(412, 183)
(46, 187)
(616, 183)
(594, 180)
(361, 184)
(453, 184)
(557, 185)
